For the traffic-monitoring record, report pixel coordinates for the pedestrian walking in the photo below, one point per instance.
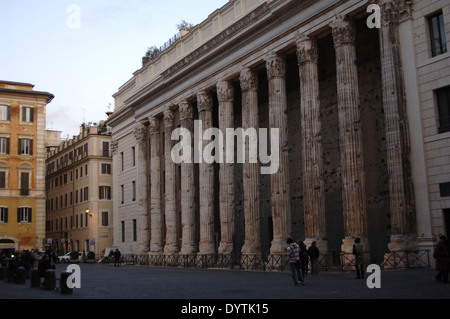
(314, 254)
(442, 259)
(293, 252)
(117, 258)
(358, 251)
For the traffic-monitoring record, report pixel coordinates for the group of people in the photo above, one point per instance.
(299, 256)
(31, 259)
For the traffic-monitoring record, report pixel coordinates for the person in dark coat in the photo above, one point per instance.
(117, 258)
(442, 259)
(43, 265)
(313, 253)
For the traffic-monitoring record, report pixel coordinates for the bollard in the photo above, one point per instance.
(3, 273)
(10, 275)
(35, 278)
(65, 290)
(20, 275)
(49, 279)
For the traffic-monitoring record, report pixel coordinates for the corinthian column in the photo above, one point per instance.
(206, 181)
(225, 95)
(313, 189)
(250, 120)
(171, 246)
(188, 207)
(279, 181)
(156, 245)
(140, 133)
(350, 135)
(396, 126)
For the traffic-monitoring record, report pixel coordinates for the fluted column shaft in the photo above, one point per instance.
(171, 246)
(225, 96)
(279, 181)
(206, 181)
(188, 205)
(396, 127)
(312, 168)
(140, 134)
(350, 135)
(250, 120)
(156, 244)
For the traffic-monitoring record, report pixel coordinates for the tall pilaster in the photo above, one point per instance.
(156, 242)
(397, 137)
(171, 246)
(279, 181)
(350, 135)
(250, 120)
(206, 180)
(312, 164)
(225, 95)
(140, 133)
(188, 205)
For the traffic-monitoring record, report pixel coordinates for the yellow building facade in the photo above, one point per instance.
(22, 166)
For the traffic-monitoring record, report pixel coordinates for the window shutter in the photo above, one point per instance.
(31, 114)
(6, 214)
(8, 113)
(31, 147)
(2, 179)
(18, 215)
(7, 145)
(20, 147)
(30, 214)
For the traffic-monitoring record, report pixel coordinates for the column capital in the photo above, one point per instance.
(114, 147)
(393, 10)
(154, 123)
(168, 117)
(306, 49)
(204, 101)
(225, 91)
(186, 110)
(275, 65)
(140, 132)
(248, 80)
(343, 31)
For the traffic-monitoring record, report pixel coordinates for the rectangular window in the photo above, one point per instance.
(105, 220)
(2, 180)
(106, 168)
(86, 193)
(437, 34)
(443, 104)
(105, 149)
(123, 231)
(133, 184)
(3, 214)
(24, 215)
(104, 192)
(133, 156)
(25, 146)
(5, 112)
(24, 183)
(4, 145)
(134, 230)
(27, 114)
(444, 189)
(122, 194)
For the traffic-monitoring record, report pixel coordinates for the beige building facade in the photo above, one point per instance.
(79, 193)
(22, 166)
(358, 111)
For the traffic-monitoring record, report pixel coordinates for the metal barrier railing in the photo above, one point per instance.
(326, 262)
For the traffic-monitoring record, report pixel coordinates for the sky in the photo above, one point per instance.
(83, 51)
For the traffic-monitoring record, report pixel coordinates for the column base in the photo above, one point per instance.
(206, 249)
(225, 248)
(188, 249)
(250, 248)
(403, 252)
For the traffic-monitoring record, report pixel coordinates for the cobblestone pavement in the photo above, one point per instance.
(191, 287)
(100, 281)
